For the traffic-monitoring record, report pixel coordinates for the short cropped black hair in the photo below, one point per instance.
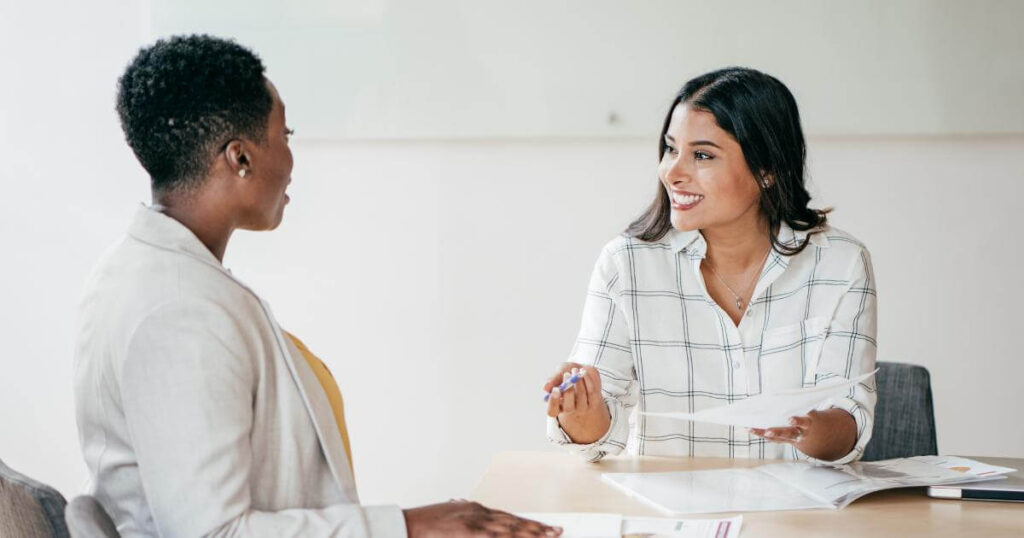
(182, 99)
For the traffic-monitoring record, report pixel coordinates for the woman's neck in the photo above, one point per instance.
(734, 248)
(203, 216)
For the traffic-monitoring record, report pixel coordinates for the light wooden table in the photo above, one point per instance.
(560, 482)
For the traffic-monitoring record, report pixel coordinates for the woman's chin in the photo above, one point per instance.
(684, 224)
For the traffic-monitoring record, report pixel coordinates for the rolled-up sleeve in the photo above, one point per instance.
(603, 342)
(849, 351)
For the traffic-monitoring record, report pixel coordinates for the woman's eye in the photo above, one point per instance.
(670, 150)
(701, 156)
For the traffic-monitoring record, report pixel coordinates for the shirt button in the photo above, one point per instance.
(749, 312)
(735, 365)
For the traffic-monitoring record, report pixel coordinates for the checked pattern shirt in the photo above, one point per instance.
(661, 344)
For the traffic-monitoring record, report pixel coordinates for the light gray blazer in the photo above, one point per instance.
(196, 415)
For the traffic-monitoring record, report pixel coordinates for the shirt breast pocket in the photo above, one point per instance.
(789, 354)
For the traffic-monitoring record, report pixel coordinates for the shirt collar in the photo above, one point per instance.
(155, 228)
(693, 243)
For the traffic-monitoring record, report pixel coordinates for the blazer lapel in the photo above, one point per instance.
(319, 409)
(161, 231)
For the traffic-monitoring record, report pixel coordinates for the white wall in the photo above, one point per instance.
(443, 280)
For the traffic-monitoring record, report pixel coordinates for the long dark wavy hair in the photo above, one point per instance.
(761, 114)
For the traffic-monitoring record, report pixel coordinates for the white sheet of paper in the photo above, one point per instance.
(712, 491)
(682, 528)
(598, 525)
(581, 524)
(769, 410)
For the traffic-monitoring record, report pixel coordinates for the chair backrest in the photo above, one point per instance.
(87, 519)
(904, 415)
(29, 509)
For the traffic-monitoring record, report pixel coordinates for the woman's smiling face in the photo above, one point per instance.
(705, 174)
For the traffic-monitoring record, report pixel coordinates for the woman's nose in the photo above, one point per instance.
(676, 170)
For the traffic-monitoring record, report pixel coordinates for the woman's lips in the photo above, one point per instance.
(683, 201)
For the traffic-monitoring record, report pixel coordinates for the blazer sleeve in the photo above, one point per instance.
(188, 393)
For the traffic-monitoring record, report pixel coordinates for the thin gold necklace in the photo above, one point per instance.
(750, 286)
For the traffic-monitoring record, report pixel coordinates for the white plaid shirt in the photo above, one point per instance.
(660, 341)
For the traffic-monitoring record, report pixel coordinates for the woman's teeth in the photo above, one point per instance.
(686, 199)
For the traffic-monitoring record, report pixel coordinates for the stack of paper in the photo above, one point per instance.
(796, 485)
(588, 525)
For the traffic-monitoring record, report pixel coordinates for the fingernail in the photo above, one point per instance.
(555, 392)
(792, 422)
(769, 434)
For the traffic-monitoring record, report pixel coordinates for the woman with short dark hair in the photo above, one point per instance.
(198, 414)
(728, 286)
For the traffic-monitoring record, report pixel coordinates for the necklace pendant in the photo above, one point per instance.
(739, 303)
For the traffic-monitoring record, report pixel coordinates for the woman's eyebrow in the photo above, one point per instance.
(704, 143)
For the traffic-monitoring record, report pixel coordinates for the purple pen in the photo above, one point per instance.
(566, 385)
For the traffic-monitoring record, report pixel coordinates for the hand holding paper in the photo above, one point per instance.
(769, 410)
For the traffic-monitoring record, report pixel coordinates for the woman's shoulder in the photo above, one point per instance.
(838, 241)
(624, 243)
(839, 250)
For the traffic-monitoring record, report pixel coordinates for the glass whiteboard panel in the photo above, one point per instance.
(448, 69)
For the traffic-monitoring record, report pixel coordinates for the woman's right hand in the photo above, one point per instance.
(581, 411)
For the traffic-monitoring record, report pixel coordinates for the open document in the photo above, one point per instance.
(770, 410)
(594, 525)
(794, 486)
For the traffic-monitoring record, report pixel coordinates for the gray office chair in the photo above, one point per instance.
(87, 519)
(904, 416)
(29, 509)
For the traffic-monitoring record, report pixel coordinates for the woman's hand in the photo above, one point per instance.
(466, 519)
(581, 411)
(826, 435)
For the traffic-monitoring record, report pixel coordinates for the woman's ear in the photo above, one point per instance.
(238, 160)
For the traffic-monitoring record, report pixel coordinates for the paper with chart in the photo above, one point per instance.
(596, 525)
(839, 486)
(770, 410)
(794, 486)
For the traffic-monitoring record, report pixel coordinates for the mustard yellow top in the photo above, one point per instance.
(323, 375)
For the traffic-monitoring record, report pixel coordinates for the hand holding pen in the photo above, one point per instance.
(579, 408)
(568, 382)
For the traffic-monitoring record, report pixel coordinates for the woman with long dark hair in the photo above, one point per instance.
(729, 285)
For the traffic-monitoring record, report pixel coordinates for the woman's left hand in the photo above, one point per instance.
(826, 435)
